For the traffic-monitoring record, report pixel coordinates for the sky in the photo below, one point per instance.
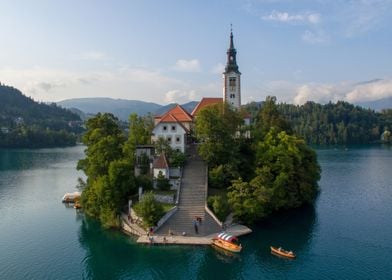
(175, 50)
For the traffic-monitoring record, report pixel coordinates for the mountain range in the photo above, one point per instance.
(121, 108)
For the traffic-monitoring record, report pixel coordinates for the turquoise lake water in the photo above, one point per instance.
(346, 235)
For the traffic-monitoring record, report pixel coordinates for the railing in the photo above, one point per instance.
(206, 197)
(166, 217)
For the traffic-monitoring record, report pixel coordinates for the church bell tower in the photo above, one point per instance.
(231, 77)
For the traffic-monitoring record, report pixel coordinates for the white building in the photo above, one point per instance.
(174, 126)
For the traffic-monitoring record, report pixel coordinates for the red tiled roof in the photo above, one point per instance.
(160, 162)
(206, 101)
(179, 114)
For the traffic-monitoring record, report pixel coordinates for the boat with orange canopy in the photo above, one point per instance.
(227, 242)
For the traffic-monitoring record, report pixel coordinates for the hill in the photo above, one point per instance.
(121, 108)
(378, 105)
(26, 123)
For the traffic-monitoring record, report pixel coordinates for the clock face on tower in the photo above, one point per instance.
(231, 58)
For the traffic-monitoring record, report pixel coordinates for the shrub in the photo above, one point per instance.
(149, 209)
(219, 206)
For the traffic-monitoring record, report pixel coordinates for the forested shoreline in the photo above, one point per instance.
(25, 123)
(339, 123)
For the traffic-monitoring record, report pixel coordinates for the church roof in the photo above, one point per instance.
(176, 114)
(160, 162)
(206, 101)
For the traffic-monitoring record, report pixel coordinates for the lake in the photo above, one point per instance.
(346, 235)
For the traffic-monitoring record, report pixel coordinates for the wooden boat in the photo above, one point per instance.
(227, 242)
(279, 251)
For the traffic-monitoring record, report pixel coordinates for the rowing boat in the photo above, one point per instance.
(279, 251)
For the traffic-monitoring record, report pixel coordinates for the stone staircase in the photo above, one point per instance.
(192, 202)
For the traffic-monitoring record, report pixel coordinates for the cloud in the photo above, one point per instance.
(179, 96)
(183, 65)
(47, 84)
(361, 16)
(351, 92)
(314, 37)
(218, 69)
(372, 90)
(285, 17)
(300, 93)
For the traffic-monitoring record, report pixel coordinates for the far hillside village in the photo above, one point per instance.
(185, 177)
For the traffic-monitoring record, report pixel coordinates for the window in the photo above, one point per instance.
(169, 140)
(173, 128)
(232, 95)
(178, 139)
(164, 128)
(232, 83)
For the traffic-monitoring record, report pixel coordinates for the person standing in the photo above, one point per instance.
(196, 226)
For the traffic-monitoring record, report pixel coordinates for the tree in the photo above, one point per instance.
(216, 128)
(286, 169)
(149, 209)
(162, 146)
(268, 117)
(220, 206)
(110, 178)
(163, 183)
(139, 134)
(177, 159)
(246, 201)
(104, 140)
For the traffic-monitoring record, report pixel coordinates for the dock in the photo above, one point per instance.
(237, 230)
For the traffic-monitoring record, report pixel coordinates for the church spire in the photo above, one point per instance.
(231, 65)
(232, 77)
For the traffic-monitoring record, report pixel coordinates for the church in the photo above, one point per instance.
(176, 125)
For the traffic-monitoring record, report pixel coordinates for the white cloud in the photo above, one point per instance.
(374, 90)
(361, 16)
(351, 92)
(183, 65)
(314, 37)
(218, 69)
(45, 84)
(311, 18)
(179, 96)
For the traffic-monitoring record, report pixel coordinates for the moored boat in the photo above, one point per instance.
(71, 197)
(227, 242)
(279, 251)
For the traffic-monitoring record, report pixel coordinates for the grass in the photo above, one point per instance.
(167, 206)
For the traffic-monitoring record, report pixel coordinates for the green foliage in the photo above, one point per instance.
(149, 209)
(140, 129)
(177, 159)
(29, 124)
(104, 140)
(216, 128)
(110, 175)
(288, 168)
(246, 201)
(163, 183)
(219, 206)
(336, 123)
(144, 181)
(269, 117)
(162, 146)
(220, 177)
(144, 164)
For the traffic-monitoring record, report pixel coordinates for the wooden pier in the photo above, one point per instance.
(237, 230)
